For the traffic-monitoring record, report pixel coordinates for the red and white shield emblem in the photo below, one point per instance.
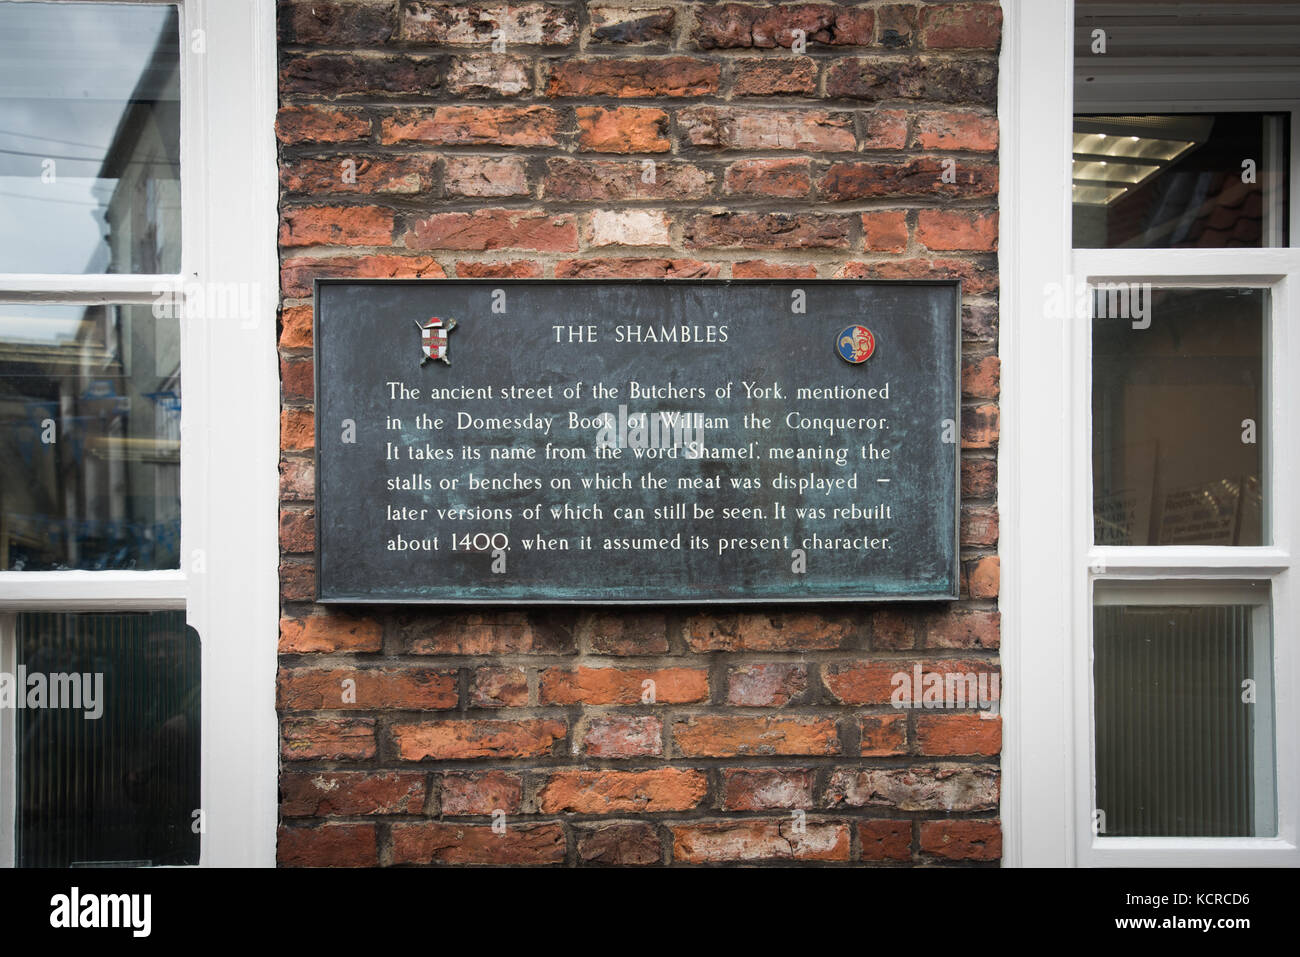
(433, 339)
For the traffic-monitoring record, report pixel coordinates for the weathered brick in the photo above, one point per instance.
(766, 685)
(895, 25)
(296, 382)
(762, 269)
(623, 685)
(321, 124)
(328, 845)
(937, 79)
(979, 478)
(618, 736)
(979, 427)
(469, 793)
(514, 269)
(885, 840)
(327, 739)
(752, 128)
(438, 843)
(982, 576)
(341, 74)
(623, 129)
(622, 792)
(499, 688)
(489, 74)
(977, 276)
(619, 842)
(622, 77)
(921, 178)
(493, 633)
(408, 689)
(478, 24)
(297, 430)
(915, 789)
(297, 581)
(719, 841)
(764, 177)
(955, 130)
(767, 789)
(351, 793)
(740, 25)
(961, 629)
(295, 327)
(329, 633)
(495, 229)
(462, 739)
(884, 129)
(334, 24)
(981, 377)
(729, 230)
(364, 175)
(485, 176)
(473, 126)
(958, 734)
(885, 231)
(765, 76)
(883, 734)
(874, 681)
(635, 268)
(947, 229)
(962, 840)
(979, 321)
(602, 180)
(979, 525)
(953, 26)
(626, 227)
(723, 736)
(298, 274)
(635, 24)
(788, 631)
(336, 226)
(625, 633)
(297, 530)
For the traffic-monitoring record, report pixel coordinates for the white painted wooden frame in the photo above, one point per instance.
(1048, 562)
(228, 582)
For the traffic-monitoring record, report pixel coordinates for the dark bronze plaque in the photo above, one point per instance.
(497, 441)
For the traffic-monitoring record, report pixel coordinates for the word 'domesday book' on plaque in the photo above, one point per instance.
(636, 441)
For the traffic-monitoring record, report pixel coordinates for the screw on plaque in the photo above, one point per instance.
(433, 338)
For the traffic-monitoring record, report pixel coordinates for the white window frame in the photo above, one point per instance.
(1049, 564)
(228, 581)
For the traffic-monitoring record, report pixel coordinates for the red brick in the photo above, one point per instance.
(625, 633)
(956, 130)
(473, 24)
(407, 689)
(885, 231)
(334, 24)
(496, 229)
(945, 229)
(297, 530)
(463, 739)
(494, 633)
(336, 226)
(640, 24)
(350, 793)
(296, 380)
(874, 681)
(328, 845)
(763, 177)
(625, 77)
(622, 685)
(980, 377)
(979, 427)
(297, 581)
(731, 25)
(979, 525)
(723, 736)
(321, 124)
(968, 26)
(982, 577)
(438, 843)
(295, 327)
(490, 74)
(515, 269)
(473, 126)
(617, 736)
(622, 792)
(760, 269)
(895, 25)
(979, 321)
(962, 840)
(883, 734)
(949, 789)
(603, 180)
(327, 739)
(767, 76)
(884, 129)
(915, 178)
(766, 685)
(979, 478)
(620, 843)
(720, 841)
(297, 430)
(958, 734)
(335, 74)
(788, 631)
(977, 276)
(329, 633)
(885, 840)
(297, 275)
(767, 789)
(961, 629)
(965, 80)
(467, 793)
(635, 268)
(485, 176)
(892, 630)
(362, 175)
(743, 128)
(728, 230)
(622, 129)
(499, 688)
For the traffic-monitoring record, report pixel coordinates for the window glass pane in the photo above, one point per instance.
(1177, 416)
(1180, 180)
(1179, 753)
(90, 403)
(89, 138)
(108, 759)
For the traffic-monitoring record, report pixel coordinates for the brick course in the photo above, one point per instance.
(637, 138)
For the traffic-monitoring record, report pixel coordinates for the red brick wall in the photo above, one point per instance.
(637, 139)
